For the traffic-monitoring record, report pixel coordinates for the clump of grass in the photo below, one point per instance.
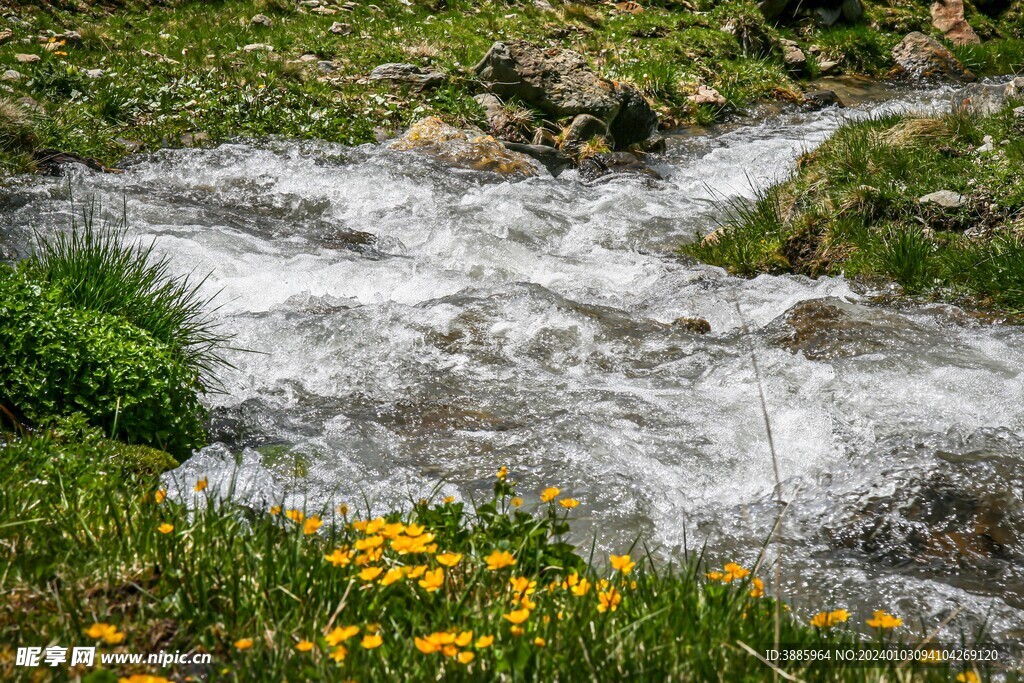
(749, 235)
(96, 268)
(907, 256)
(17, 132)
(441, 591)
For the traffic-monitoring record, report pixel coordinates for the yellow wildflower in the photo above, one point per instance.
(340, 634)
(339, 558)
(108, 633)
(622, 563)
(360, 525)
(369, 557)
(243, 643)
(304, 646)
(580, 588)
(549, 494)
(414, 530)
(464, 638)
(539, 642)
(143, 678)
(343, 509)
(369, 542)
(517, 502)
(968, 677)
(416, 572)
(466, 657)
(448, 500)
(311, 525)
(517, 630)
(884, 620)
(829, 619)
(568, 503)
(165, 528)
(392, 575)
(426, 646)
(449, 650)
(160, 495)
(339, 653)
(275, 510)
(201, 485)
(392, 530)
(521, 584)
(758, 588)
(448, 559)
(499, 559)
(370, 573)
(608, 600)
(295, 515)
(502, 472)
(375, 525)
(518, 616)
(370, 642)
(432, 580)
(483, 641)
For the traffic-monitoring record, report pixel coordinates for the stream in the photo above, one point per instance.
(530, 324)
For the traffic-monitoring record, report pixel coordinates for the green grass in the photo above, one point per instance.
(84, 544)
(174, 69)
(852, 207)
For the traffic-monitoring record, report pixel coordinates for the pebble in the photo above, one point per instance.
(26, 59)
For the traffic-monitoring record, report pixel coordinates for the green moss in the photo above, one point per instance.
(139, 460)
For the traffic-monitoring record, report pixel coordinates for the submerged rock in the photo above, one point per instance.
(551, 158)
(918, 56)
(464, 148)
(986, 99)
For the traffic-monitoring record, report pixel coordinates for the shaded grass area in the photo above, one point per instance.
(97, 554)
(854, 207)
(172, 71)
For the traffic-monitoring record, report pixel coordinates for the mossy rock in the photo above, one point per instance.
(138, 459)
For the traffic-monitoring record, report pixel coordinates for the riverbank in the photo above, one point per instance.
(102, 81)
(930, 202)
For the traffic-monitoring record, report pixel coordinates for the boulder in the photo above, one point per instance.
(464, 148)
(582, 130)
(636, 120)
(408, 73)
(920, 57)
(503, 125)
(948, 17)
(561, 84)
(986, 99)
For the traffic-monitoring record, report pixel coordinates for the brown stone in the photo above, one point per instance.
(948, 17)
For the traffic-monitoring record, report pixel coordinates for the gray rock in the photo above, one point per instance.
(583, 129)
(706, 95)
(819, 99)
(11, 75)
(793, 56)
(921, 57)
(408, 73)
(261, 20)
(946, 199)
(827, 66)
(636, 120)
(26, 59)
(549, 157)
(340, 29)
(94, 73)
(948, 17)
(1018, 112)
(258, 47)
(544, 137)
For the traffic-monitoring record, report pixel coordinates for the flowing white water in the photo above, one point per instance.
(527, 324)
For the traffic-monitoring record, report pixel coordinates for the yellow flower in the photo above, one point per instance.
(425, 646)
(502, 472)
(568, 503)
(392, 575)
(539, 642)
(295, 515)
(375, 525)
(732, 573)
(343, 509)
(416, 572)
(499, 559)
(518, 616)
(370, 642)
(370, 573)
(521, 584)
(143, 678)
(201, 485)
(108, 633)
(884, 620)
(758, 588)
(414, 530)
(392, 530)
(339, 653)
(829, 619)
(622, 563)
(580, 588)
(339, 558)
(432, 580)
(527, 603)
(517, 630)
(369, 542)
(464, 638)
(311, 525)
(304, 646)
(483, 641)
(360, 525)
(449, 650)
(466, 657)
(448, 500)
(448, 559)
(243, 643)
(517, 502)
(608, 600)
(549, 494)
(968, 677)
(340, 634)
(159, 496)
(275, 510)
(165, 528)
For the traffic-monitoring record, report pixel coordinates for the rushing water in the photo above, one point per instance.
(529, 324)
